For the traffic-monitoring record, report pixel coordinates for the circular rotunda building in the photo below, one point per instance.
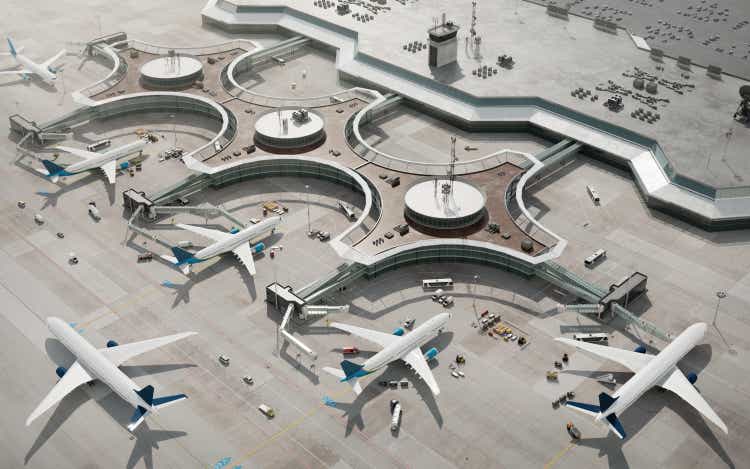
(441, 206)
(171, 72)
(289, 131)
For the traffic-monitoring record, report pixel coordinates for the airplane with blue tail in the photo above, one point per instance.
(43, 70)
(236, 242)
(106, 161)
(396, 346)
(650, 370)
(102, 364)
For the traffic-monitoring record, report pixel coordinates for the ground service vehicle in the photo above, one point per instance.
(267, 411)
(429, 284)
(96, 146)
(598, 255)
(596, 337)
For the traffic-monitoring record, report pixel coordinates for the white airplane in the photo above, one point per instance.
(102, 364)
(650, 370)
(396, 346)
(106, 161)
(237, 243)
(44, 70)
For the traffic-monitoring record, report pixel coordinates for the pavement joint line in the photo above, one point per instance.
(296, 423)
(114, 307)
(556, 458)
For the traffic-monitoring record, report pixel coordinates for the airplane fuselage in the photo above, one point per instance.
(41, 71)
(96, 364)
(398, 349)
(107, 156)
(242, 236)
(656, 370)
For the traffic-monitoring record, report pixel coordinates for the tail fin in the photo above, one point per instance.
(351, 370)
(354, 383)
(53, 170)
(147, 394)
(182, 255)
(12, 48)
(606, 401)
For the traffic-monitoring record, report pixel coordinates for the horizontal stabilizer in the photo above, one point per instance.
(147, 394)
(588, 409)
(615, 426)
(166, 401)
(138, 414)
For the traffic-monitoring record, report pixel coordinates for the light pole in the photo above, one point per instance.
(474, 296)
(309, 229)
(721, 294)
(174, 130)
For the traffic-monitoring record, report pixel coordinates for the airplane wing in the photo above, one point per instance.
(634, 361)
(416, 360)
(243, 253)
(678, 384)
(122, 353)
(109, 168)
(52, 60)
(216, 235)
(17, 72)
(85, 154)
(380, 338)
(74, 377)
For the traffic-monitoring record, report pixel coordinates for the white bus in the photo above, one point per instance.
(96, 146)
(433, 283)
(594, 337)
(598, 255)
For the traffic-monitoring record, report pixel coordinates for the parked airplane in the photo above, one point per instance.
(237, 243)
(650, 370)
(44, 70)
(396, 346)
(102, 364)
(106, 161)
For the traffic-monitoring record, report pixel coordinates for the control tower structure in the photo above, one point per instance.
(443, 43)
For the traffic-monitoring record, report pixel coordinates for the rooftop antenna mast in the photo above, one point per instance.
(447, 188)
(473, 29)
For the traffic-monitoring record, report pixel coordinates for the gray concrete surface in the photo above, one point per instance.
(312, 71)
(498, 416)
(414, 136)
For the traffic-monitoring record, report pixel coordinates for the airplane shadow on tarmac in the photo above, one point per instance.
(395, 372)
(120, 411)
(651, 404)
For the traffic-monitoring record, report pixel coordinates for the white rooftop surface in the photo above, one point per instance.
(553, 57)
(465, 200)
(162, 69)
(270, 125)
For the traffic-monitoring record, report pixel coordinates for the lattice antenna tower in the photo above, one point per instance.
(473, 29)
(447, 188)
